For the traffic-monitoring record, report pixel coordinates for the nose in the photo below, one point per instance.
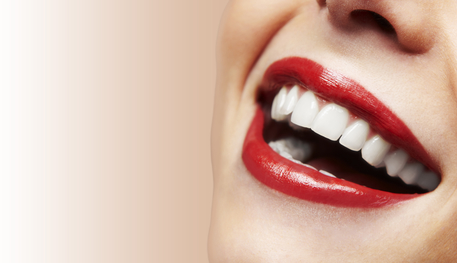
(412, 22)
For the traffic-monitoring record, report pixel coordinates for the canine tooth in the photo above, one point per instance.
(374, 150)
(274, 106)
(428, 180)
(355, 135)
(395, 161)
(327, 173)
(331, 121)
(278, 101)
(305, 110)
(290, 101)
(410, 173)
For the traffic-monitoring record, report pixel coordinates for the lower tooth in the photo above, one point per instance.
(309, 166)
(287, 155)
(327, 173)
(282, 147)
(292, 149)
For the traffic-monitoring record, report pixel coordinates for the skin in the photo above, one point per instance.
(412, 70)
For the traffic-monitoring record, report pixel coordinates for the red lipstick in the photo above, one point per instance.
(305, 183)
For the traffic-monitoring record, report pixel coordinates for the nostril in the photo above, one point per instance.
(383, 23)
(371, 18)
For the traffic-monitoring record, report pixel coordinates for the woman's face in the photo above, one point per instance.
(388, 65)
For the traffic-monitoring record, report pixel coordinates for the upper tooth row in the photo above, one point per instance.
(331, 122)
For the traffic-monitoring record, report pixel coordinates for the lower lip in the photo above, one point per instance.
(299, 181)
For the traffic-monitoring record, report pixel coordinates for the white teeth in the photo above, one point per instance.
(331, 121)
(286, 155)
(309, 166)
(327, 173)
(380, 165)
(374, 150)
(395, 161)
(290, 101)
(355, 135)
(292, 149)
(305, 110)
(278, 102)
(428, 180)
(411, 172)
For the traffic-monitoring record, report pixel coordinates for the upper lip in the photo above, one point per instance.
(296, 180)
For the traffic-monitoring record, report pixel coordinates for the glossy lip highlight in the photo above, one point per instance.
(305, 183)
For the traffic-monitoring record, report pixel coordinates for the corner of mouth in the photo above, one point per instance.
(292, 138)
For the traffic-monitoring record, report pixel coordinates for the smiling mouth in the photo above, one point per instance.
(310, 133)
(322, 137)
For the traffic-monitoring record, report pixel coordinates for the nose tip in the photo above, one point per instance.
(412, 21)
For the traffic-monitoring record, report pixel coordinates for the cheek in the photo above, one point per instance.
(441, 239)
(246, 28)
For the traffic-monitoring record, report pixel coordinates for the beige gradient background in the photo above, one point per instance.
(105, 116)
